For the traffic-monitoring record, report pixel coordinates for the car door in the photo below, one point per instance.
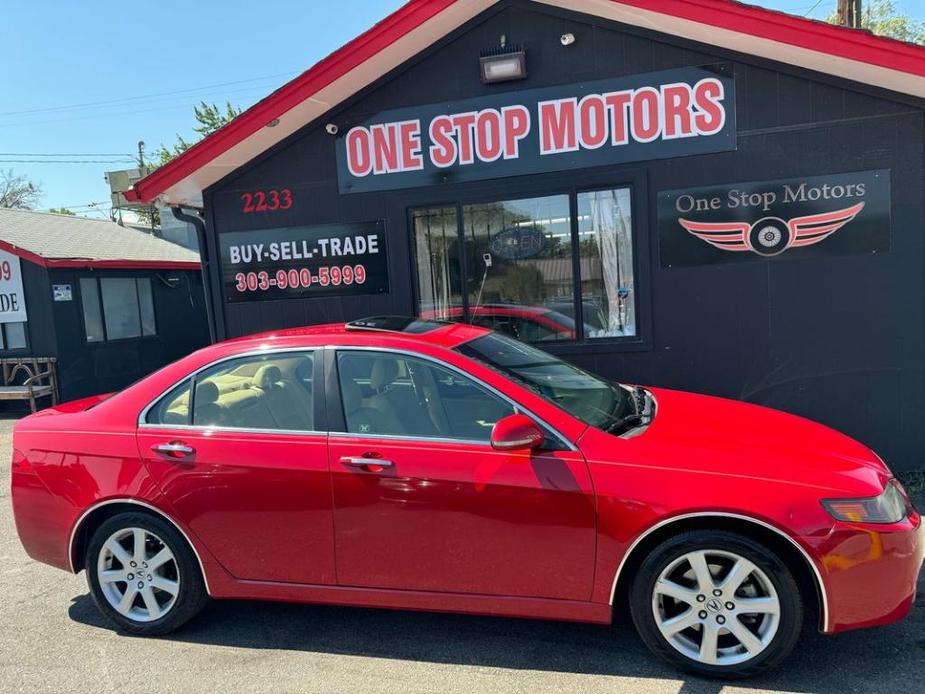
(423, 502)
(240, 452)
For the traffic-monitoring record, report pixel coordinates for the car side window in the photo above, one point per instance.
(398, 395)
(173, 408)
(263, 392)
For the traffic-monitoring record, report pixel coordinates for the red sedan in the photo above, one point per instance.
(413, 464)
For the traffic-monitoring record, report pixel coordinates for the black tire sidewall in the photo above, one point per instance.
(792, 609)
(192, 596)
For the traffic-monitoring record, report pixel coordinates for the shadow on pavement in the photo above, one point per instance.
(887, 659)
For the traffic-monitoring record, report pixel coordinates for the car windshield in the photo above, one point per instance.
(594, 401)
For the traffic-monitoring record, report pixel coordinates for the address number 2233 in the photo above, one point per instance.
(266, 200)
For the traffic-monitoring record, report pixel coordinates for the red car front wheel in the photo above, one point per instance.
(717, 603)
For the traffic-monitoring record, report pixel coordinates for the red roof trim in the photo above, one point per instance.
(90, 264)
(778, 26)
(404, 20)
(746, 19)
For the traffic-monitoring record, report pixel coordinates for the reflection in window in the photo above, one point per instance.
(395, 395)
(93, 311)
(117, 308)
(13, 336)
(120, 307)
(262, 392)
(437, 250)
(519, 263)
(606, 251)
(510, 266)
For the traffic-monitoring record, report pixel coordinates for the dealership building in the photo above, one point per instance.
(703, 195)
(99, 304)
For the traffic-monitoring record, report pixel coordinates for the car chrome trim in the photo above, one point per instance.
(231, 430)
(452, 367)
(136, 502)
(190, 376)
(820, 584)
(398, 437)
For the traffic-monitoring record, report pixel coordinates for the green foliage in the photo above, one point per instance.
(62, 210)
(210, 118)
(883, 18)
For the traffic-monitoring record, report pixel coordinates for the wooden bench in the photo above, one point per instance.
(29, 378)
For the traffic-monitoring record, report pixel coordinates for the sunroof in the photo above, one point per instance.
(395, 324)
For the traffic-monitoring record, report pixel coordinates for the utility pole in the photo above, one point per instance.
(849, 13)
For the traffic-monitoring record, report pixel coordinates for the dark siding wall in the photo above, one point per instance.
(88, 368)
(838, 339)
(40, 328)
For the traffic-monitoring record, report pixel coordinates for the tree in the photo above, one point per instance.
(18, 192)
(209, 118)
(62, 210)
(882, 17)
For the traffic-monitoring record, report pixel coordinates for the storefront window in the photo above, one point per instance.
(116, 308)
(605, 246)
(13, 336)
(510, 266)
(93, 312)
(436, 240)
(519, 267)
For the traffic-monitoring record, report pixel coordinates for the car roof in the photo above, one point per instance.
(407, 328)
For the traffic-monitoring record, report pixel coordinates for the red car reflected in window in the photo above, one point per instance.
(407, 463)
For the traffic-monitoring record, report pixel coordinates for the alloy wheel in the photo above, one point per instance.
(138, 574)
(716, 607)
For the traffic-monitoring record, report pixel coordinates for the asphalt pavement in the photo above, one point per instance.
(52, 639)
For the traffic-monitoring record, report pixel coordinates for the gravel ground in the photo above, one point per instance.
(53, 639)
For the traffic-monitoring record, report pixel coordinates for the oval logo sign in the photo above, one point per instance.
(518, 242)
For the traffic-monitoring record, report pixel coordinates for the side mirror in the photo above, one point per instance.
(516, 431)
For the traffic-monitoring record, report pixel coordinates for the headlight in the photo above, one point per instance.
(890, 507)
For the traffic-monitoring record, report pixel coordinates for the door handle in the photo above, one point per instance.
(174, 449)
(367, 463)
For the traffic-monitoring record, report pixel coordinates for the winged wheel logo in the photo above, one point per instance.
(772, 235)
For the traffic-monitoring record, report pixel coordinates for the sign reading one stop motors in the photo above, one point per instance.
(657, 115)
(12, 298)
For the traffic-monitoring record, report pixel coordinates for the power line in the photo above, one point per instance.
(181, 104)
(811, 9)
(67, 161)
(94, 104)
(69, 154)
(78, 207)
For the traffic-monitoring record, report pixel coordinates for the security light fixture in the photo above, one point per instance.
(503, 65)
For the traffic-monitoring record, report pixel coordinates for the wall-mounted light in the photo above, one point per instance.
(503, 65)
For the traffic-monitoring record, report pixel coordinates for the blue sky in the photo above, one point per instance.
(150, 62)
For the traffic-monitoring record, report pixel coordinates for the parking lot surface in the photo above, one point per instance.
(53, 639)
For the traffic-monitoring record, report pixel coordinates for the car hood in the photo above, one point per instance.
(737, 438)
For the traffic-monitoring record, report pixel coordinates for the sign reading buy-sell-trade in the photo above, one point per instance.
(673, 113)
(795, 218)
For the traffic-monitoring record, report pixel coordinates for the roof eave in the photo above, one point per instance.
(810, 44)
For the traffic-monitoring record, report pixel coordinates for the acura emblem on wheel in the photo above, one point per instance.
(772, 235)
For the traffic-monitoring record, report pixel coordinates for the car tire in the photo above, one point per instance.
(717, 604)
(148, 591)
